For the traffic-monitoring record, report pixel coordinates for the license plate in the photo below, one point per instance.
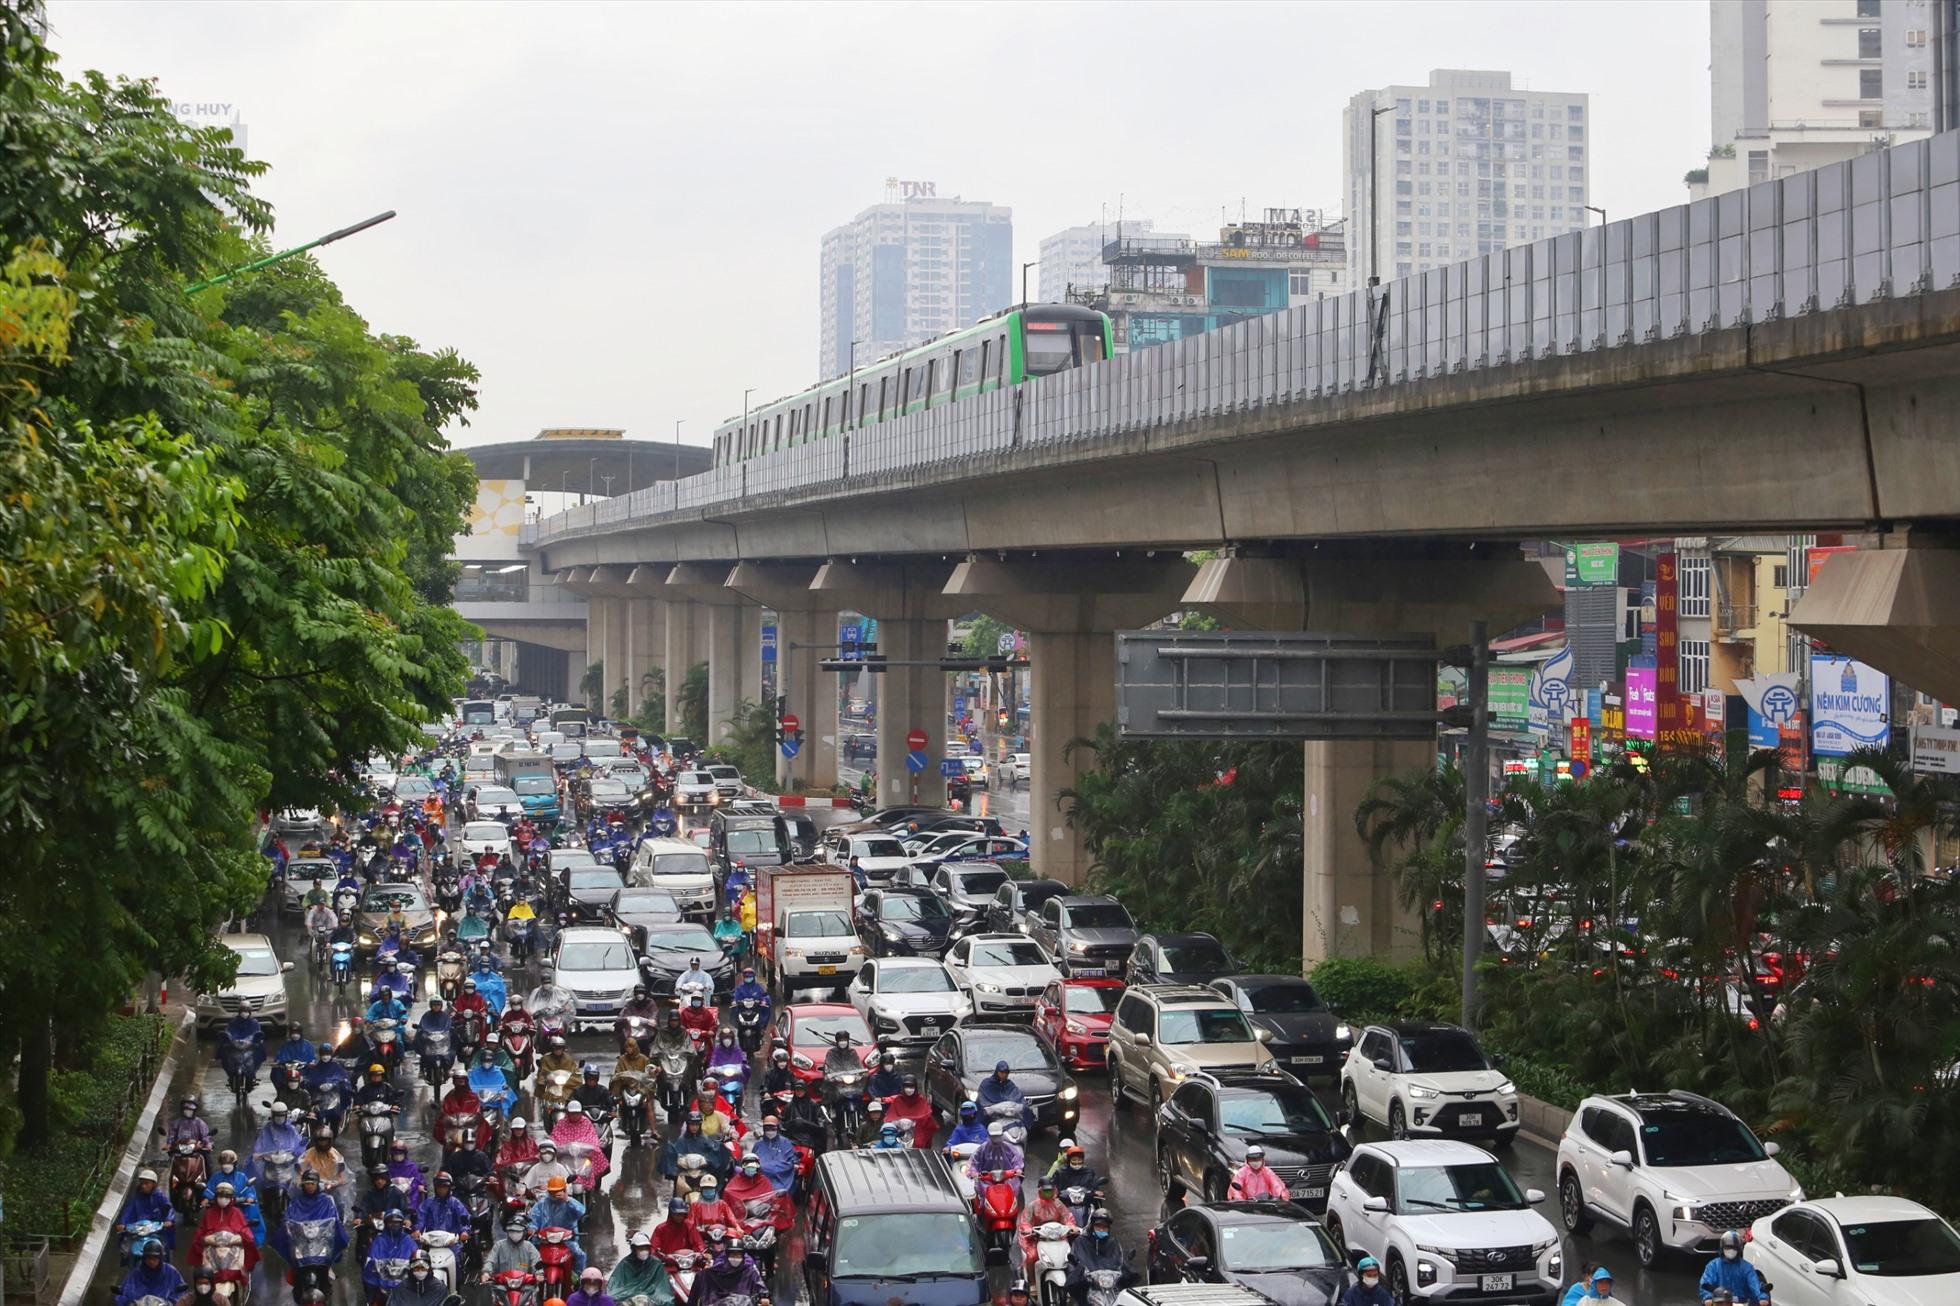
(1495, 1282)
(1310, 1194)
(826, 970)
(1088, 970)
(1470, 1119)
(1308, 1061)
(930, 1026)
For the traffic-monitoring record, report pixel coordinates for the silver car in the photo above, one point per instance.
(597, 965)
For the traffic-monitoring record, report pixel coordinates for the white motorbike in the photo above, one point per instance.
(441, 1246)
(1050, 1268)
(960, 1155)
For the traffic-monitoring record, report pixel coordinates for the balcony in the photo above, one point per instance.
(1735, 621)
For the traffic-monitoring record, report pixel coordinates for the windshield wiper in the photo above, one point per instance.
(916, 1276)
(1423, 1201)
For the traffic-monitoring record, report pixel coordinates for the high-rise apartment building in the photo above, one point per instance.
(1072, 258)
(910, 269)
(1797, 84)
(1465, 165)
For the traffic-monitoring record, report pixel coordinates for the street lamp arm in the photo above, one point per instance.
(283, 255)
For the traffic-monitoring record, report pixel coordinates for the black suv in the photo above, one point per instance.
(1273, 1247)
(1179, 958)
(1210, 1120)
(1301, 1033)
(903, 922)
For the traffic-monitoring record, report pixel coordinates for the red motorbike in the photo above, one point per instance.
(997, 1204)
(555, 1260)
(515, 1288)
(189, 1168)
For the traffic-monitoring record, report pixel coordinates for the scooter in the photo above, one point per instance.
(681, 1269)
(751, 1022)
(846, 1093)
(224, 1256)
(1105, 1287)
(520, 932)
(134, 1235)
(312, 1264)
(676, 1083)
(633, 1108)
(342, 965)
(189, 1168)
(638, 1028)
(769, 1219)
(516, 1287)
(387, 1044)
(441, 1245)
(997, 1205)
(289, 1085)
(451, 968)
(276, 1171)
(238, 1055)
(1049, 1268)
(555, 1260)
(437, 1058)
(377, 1132)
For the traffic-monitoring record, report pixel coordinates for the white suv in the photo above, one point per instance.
(1676, 1170)
(1446, 1222)
(1422, 1080)
(907, 1001)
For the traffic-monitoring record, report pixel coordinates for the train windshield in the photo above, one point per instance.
(1058, 346)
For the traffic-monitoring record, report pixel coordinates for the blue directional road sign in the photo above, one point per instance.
(948, 766)
(791, 747)
(915, 762)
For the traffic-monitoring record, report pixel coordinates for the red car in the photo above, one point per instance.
(1074, 1015)
(809, 1031)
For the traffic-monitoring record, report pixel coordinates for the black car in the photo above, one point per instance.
(1301, 1033)
(903, 922)
(1014, 905)
(633, 909)
(669, 950)
(966, 1055)
(683, 750)
(1180, 958)
(1275, 1248)
(586, 891)
(1206, 1126)
(859, 748)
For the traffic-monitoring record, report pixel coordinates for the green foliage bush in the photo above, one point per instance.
(1363, 989)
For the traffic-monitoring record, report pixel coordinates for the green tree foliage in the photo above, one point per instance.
(224, 527)
(691, 704)
(1189, 835)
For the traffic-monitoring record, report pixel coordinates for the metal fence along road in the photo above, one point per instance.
(1881, 226)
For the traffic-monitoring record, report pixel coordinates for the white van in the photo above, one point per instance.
(682, 869)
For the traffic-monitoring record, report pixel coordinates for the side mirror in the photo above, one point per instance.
(1829, 1268)
(1535, 1196)
(1142, 1040)
(285, 966)
(1381, 1064)
(1341, 1118)
(1771, 1149)
(1622, 1159)
(1264, 1035)
(1376, 1204)
(1198, 1263)
(1497, 1060)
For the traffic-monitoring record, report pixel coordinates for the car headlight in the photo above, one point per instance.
(1179, 1069)
(1070, 1093)
(1425, 1272)
(989, 988)
(366, 937)
(1685, 1213)
(801, 1062)
(1076, 945)
(1419, 1093)
(1507, 1089)
(1075, 1027)
(892, 934)
(1555, 1267)
(1343, 1033)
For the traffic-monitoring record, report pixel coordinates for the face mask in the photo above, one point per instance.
(1256, 1162)
(1099, 1233)
(223, 1200)
(418, 1275)
(752, 1169)
(771, 1132)
(1370, 1280)
(189, 1111)
(911, 1092)
(643, 1253)
(517, 1235)
(204, 1290)
(1730, 1253)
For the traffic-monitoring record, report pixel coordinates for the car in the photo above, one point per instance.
(1164, 1032)
(958, 846)
(609, 795)
(1015, 772)
(303, 875)
(1001, 972)
(584, 892)
(1300, 1032)
(1275, 1248)
(1847, 1251)
(297, 818)
(596, 964)
(1416, 1078)
(671, 949)
(1016, 903)
(907, 1001)
(1086, 934)
(912, 877)
(1203, 1132)
(858, 748)
(977, 770)
(410, 790)
(968, 889)
(495, 803)
(632, 910)
(1178, 958)
(1074, 1015)
(485, 837)
(902, 922)
(878, 855)
(925, 845)
(1446, 1222)
(695, 789)
(1676, 1170)
(728, 781)
(566, 754)
(963, 1057)
(376, 905)
(809, 1030)
(949, 823)
(258, 989)
(558, 861)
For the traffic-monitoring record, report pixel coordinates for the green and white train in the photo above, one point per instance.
(1004, 350)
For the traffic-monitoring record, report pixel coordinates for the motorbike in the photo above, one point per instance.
(1015, 1117)
(1049, 1268)
(387, 1044)
(451, 968)
(638, 1028)
(703, 1038)
(677, 1082)
(134, 1235)
(845, 1091)
(346, 901)
(687, 1179)
(581, 1159)
(730, 1069)
(520, 932)
(473, 1191)
(238, 1056)
(276, 1171)
(389, 1275)
(224, 1256)
(997, 1205)
(289, 1085)
(518, 1043)
(555, 1260)
(442, 1247)
(189, 1168)
(751, 1023)
(553, 1090)
(769, 1219)
(330, 1104)
(377, 1132)
(312, 1265)
(342, 965)
(660, 824)
(449, 895)
(682, 1266)
(632, 1097)
(321, 947)
(1105, 1287)
(437, 1058)
(1080, 1201)
(515, 1288)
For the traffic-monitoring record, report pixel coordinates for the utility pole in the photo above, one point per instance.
(677, 459)
(283, 255)
(1374, 198)
(1024, 281)
(1476, 816)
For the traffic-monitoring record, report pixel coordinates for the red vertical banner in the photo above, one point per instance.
(1667, 650)
(1582, 740)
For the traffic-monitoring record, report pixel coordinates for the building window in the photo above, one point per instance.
(1871, 118)
(1915, 81)
(1867, 8)
(1694, 585)
(1779, 576)
(1694, 666)
(1871, 83)
(1869, 46)
(1915, 40)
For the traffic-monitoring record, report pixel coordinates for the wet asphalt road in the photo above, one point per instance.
(634, 1195)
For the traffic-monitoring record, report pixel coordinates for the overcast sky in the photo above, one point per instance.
(614, 209)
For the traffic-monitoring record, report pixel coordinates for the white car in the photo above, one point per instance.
(1676, 1170)
(480, 837)
(1001, 972)
(1422, 1080)
(696, 789)
(497, 803)
(728, 782)
(1446, 1222)
(259, 988)
(879, 856)
(298, 818)
(907, 1001)
(1851, 1251)
(303, 875)
(597, 964)
(1016, 770)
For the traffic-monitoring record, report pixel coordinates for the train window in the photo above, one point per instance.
(1047, 345)
(779, 431)
(884, 384)
(986, 356)
(806, 421)
(864, 398)
(1089, 342)
(932, 377)
(826, 416)
(1000, 357)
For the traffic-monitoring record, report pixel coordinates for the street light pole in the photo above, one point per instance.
(1374, 198)
(745, 413)
(1024, 280)
(677, 458)
(283, 255)
(1594, 208)
(1476, 816)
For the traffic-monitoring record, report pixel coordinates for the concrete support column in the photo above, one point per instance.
(1350, 908)
(619, 643)
(803, 639)
(726, 623)
(1073, 691)
(683, 616)
(598, 613)
(644, 652)
(749, 687)
(911, 698)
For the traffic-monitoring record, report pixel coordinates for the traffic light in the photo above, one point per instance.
(782, 705)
